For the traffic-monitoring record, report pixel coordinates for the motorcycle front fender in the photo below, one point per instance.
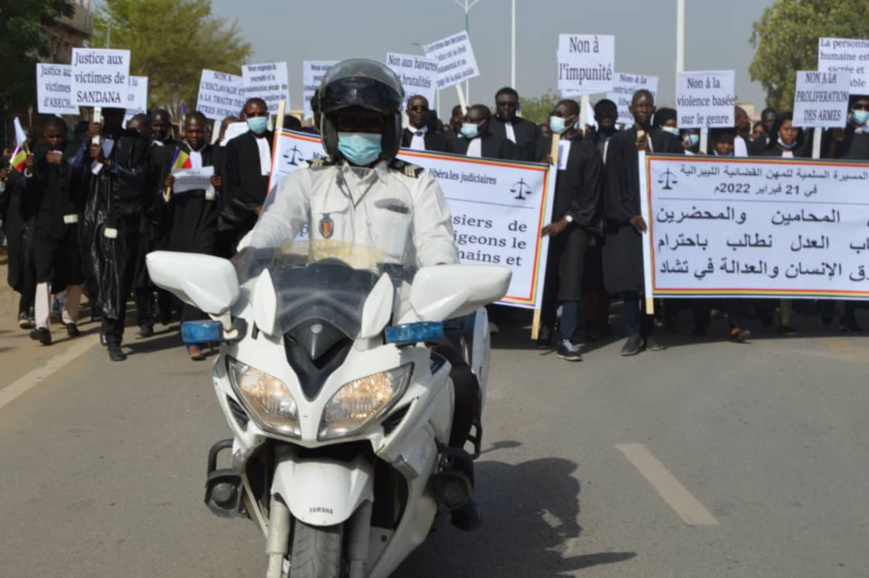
(323, 492)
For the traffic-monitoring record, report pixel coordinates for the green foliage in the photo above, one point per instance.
(537, 109)
(171, 42)
(786, 39)
(23, 38)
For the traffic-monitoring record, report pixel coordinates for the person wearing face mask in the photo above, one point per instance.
(691, 141)
(478, 141)
(247, 167)
(114, 180)
(623, 247)
(193, 214)
(58, 262)
(362, 194)
(577, 216)
(509, 125)
(418, 136)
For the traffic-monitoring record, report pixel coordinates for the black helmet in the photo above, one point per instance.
(365, 87)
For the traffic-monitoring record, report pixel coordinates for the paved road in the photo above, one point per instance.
(591, 469)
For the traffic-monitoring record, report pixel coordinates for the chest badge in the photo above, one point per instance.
(327, 226)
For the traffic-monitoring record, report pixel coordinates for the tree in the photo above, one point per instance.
(171, 41)
(537, 109)
(23, 38)
(786, 39)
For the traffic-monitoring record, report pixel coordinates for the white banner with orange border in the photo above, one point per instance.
(760, 227)
(498, 208)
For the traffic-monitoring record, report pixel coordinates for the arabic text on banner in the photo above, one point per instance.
(756, 228)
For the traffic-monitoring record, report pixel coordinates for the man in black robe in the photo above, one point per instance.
(625, 226)
(58, 263)
(247, 166)
(507, 124)
(418, 135)
(577, 214)
(478, 141)
(606, 113)
(110, 228)
(18, 211)
(193, 214)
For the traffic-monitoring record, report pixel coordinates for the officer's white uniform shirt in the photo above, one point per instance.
(403, 216)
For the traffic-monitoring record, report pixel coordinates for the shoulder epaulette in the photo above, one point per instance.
(407, 169)
(321, 162)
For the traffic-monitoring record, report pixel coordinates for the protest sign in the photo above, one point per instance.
(706, 99)
(54, 89)
(498, 208)
(137, 99)
(267, 81)
(418, 74)
(585, 63)
(455, 57)
(100, 77)
(624, 87)
(755, 227)
(220, 95)
(233, 130)
(849, 55)
(313, 72)
(821, 99)
(192, 179)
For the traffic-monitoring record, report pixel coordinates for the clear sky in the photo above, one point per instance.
(645, 30)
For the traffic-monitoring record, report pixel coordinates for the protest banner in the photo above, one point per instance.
(755, 227)
(455, 57)
(137, 99)
(821, 99)
(849, 55)
(269, 82)
(624, 87)
(192, 180)
(100, 77)
(54, 89)
(706, 99)
(498, 207)
(313, 72)
(418, 74)
(585, 63)
(220, 95)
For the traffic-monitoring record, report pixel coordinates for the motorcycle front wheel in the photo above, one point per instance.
(317, 552)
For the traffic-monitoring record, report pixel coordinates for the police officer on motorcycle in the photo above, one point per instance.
(362, 194)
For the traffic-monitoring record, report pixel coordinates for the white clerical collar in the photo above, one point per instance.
(414, 130)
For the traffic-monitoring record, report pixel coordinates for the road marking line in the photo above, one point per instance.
(34, 377)
(692, 512)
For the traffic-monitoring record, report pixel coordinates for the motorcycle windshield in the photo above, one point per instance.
(322, 281)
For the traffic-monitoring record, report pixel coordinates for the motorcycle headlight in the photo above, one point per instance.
(266, 398)
(362, 400)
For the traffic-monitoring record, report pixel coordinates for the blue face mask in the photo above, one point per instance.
(673, 131)
(470, 130)
(695, 139)
(783, 145)
(557, 124)
(861, 117)
(361, 149)
(258, 124)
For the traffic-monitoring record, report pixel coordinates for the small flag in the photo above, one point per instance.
(18, 158)
(183, 111)
(181, 160)
(20, 135)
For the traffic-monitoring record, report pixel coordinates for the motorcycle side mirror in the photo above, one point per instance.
(377, 309)
(208, 283)
(449, 291)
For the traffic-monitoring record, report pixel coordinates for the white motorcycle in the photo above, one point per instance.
(340, 410)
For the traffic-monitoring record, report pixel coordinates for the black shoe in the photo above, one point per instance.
(145, 331)
(42, 335)
(649, 344)
(72, 330)
(544, 338)
(116, 353)
(787, 330)
(467, 518)
(23, 321)
(631, 346)
(567, 351)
